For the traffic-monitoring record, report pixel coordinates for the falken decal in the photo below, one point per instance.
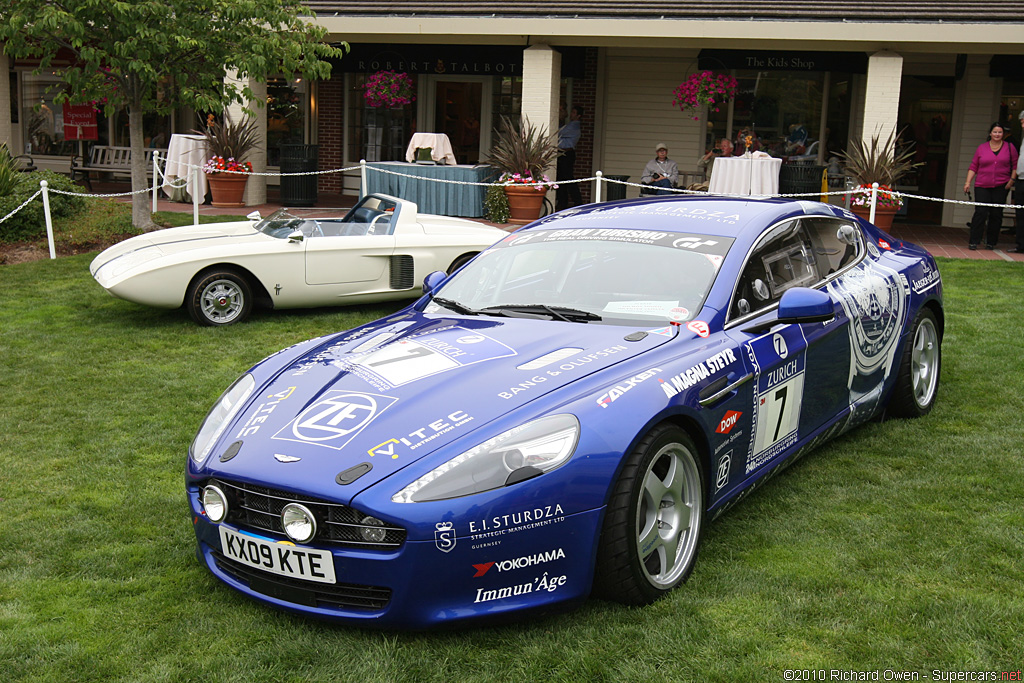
(616, 392)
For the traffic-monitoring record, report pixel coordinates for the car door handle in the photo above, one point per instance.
(715, 392)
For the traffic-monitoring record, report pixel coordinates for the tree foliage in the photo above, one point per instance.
(156, 56)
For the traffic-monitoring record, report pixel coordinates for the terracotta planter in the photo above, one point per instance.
(883, 215)
(227, 189)
(524, 203)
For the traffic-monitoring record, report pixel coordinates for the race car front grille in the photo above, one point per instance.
(259, 507)
(339, 595)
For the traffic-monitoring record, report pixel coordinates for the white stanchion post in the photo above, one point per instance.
(597, 186)
(156, 177)
(874, 200)
(195, 196)
(49, 221)
(362, 178)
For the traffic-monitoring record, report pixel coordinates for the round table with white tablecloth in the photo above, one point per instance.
(745, 175)
(184, 153)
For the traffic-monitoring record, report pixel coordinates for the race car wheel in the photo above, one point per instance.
(653, 524)
(918, 381)
(219, 298)
(459, 262)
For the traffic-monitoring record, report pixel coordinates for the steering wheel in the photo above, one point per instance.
(316, 230)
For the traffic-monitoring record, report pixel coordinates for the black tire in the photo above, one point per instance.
(459, 262)
(219, 297)
(653, 525)
(917, 383)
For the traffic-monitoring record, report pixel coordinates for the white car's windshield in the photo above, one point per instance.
(618, 276)
(373, 215)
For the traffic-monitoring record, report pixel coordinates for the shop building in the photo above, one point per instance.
(817, 75)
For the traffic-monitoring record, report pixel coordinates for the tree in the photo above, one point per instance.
(156, 56)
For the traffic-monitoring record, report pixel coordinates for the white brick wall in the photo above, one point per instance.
(882, 95)
(542, 68)
(256, 188)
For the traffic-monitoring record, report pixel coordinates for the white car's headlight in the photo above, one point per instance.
(231, 401)
(516, 455)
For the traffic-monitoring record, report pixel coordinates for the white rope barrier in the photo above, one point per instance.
(160, 181)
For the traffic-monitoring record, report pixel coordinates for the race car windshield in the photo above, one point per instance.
(317, 222)
(649, 276)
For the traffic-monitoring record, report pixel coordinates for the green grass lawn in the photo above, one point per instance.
(898, 546)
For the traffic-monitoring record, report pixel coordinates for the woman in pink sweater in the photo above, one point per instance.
(994, 171)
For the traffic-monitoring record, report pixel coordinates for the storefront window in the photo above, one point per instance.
(1010, 106)
(287, 107)
(378, 134)
(42, 118)
(782, 110)
(507, 99)
(156, 130)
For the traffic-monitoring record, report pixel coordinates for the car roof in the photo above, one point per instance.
(740, 218)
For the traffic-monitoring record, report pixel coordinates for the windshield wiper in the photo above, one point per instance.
(455, 306)
(569, 315)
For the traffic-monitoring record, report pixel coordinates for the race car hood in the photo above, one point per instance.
(173, 240)
(398, 390)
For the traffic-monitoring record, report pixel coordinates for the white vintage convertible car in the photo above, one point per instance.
(379, 249)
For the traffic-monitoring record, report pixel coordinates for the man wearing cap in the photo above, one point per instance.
(661, 171)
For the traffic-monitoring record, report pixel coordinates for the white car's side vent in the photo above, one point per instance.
(402, 272)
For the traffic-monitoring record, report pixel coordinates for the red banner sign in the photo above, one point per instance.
(80, 122)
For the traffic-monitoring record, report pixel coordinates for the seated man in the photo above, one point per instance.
(707, 162)
(660, 172)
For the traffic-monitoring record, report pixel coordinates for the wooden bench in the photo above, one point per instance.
(113, 160)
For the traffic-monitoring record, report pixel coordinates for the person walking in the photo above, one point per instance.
(994, 172)
(1018, 196)
(568, 137)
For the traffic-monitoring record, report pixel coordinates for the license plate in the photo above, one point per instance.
(298, 562)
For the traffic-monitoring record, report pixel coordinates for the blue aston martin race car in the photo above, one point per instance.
(563, 415)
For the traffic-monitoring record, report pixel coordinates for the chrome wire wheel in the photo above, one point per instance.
(222, 301)
(668, 515)
(924, 363)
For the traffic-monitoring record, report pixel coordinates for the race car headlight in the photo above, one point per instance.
(516, 455)
(298, 522)
(215, 503)
(220, 416)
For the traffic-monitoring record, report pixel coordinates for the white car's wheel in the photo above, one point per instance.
(219, 298)
(653, 525)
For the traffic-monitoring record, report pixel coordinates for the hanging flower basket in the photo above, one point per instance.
(388, 89)
(704, 88)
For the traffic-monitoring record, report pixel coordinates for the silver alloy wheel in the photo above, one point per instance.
(668, 515)
(222, 301)
(924, 362)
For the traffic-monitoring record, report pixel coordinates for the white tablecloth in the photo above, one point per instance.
(183, 152)
(745, 175)
(439, 143)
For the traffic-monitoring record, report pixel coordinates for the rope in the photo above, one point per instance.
(23, 205)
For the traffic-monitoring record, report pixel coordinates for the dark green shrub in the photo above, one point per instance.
(30, 222)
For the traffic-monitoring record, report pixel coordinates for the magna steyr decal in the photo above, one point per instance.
(702, 370)
(607, 398)
(335, 419)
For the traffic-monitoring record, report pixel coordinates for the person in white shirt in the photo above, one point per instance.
(661, 172)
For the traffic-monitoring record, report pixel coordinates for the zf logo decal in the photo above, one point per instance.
(723, 471)
(335, 419)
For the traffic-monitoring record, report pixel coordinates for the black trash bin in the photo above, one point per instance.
(299, 190)
(801, 179)
(616, 190)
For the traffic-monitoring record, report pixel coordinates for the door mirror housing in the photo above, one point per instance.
(799, 305)
(433, 280)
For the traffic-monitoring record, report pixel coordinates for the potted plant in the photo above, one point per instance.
(520, 154)
(228, 143)
(704, 89)
(874, 161)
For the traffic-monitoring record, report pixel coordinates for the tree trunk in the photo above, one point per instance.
(141, 202)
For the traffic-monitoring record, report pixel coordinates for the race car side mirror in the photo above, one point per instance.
(296, 236)
(798, 305)
(433, 280)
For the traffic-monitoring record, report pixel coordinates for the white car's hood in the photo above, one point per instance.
(174, 240)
